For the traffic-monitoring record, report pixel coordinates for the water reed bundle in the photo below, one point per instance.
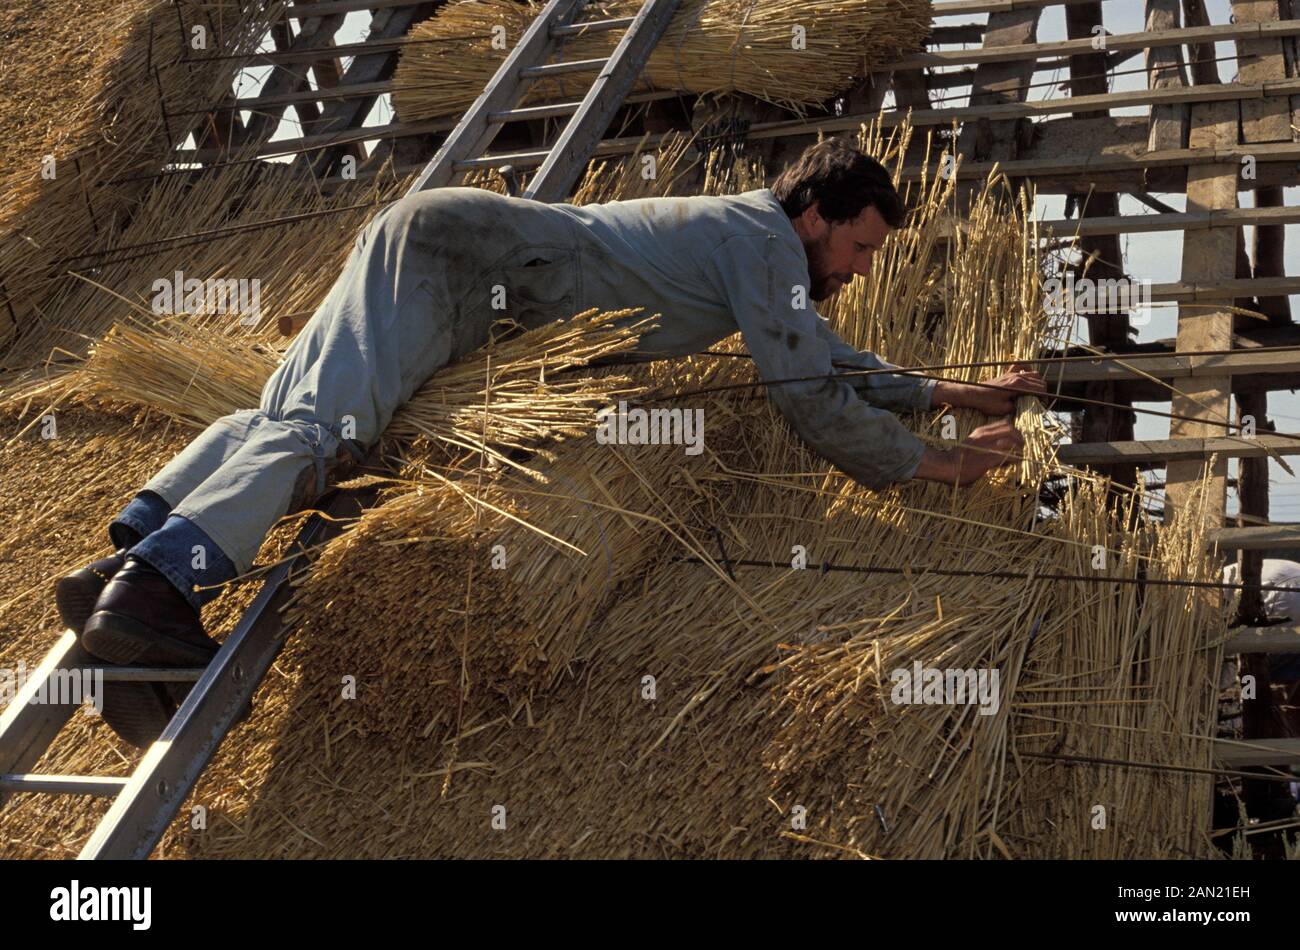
(793, 53)
(195, 368)
(511, 395)
(96, 92)
(588, 636)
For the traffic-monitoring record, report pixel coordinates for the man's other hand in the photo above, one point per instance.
(988, 447)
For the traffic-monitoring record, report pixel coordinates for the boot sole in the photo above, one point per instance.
(125, 641)
(75, 597)
(138, 712)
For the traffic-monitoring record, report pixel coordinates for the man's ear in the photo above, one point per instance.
(809, 221)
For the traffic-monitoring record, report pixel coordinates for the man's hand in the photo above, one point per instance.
(1021, 378)
(988, 447)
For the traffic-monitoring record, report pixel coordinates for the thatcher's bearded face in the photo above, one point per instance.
(839, 250)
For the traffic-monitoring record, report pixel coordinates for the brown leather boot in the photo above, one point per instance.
(141, 619)
(75, 595)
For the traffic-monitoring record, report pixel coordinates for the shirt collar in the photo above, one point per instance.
(788, 230)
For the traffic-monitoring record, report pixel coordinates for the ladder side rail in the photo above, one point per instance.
(472, 135)
(571, 151)
(28, 728)
(172, 766)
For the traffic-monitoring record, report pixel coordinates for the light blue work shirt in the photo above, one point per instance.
(714, 265)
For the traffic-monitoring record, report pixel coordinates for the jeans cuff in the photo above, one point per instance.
(143, 515)
(161, 564)
(171, 551)
(126, 532)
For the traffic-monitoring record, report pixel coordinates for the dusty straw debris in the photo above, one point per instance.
(535, 619)
(792, 53)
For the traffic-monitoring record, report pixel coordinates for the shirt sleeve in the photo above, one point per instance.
(887, 390)
(763, 285)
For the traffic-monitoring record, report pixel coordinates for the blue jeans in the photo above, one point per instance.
(174, 546)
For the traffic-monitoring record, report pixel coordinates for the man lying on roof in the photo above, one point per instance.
(417, 292)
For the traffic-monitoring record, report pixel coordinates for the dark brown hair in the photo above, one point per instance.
(842, 181)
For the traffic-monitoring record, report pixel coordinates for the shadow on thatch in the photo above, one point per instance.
(126, 86)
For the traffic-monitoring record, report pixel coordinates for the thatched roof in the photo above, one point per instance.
(530, 687)
(102, 89)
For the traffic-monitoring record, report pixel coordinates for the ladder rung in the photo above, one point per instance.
(580, 139)
(534, 112)
(63, 784)
(148, 674)
(522, 159)
(566, 108)
(558, 69)
(592, 26)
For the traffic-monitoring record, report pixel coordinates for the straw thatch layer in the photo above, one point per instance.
(524, 642)
(96, 93)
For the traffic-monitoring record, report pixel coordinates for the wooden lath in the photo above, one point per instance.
(343, 121)
(340, 114)
(313, 34)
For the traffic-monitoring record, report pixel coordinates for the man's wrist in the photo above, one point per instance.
(937, 465)
(948, 394)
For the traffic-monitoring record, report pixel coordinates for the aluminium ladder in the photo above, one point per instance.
(564, 160)
(146, 803)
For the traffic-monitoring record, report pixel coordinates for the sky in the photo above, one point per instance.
(1155, 257)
